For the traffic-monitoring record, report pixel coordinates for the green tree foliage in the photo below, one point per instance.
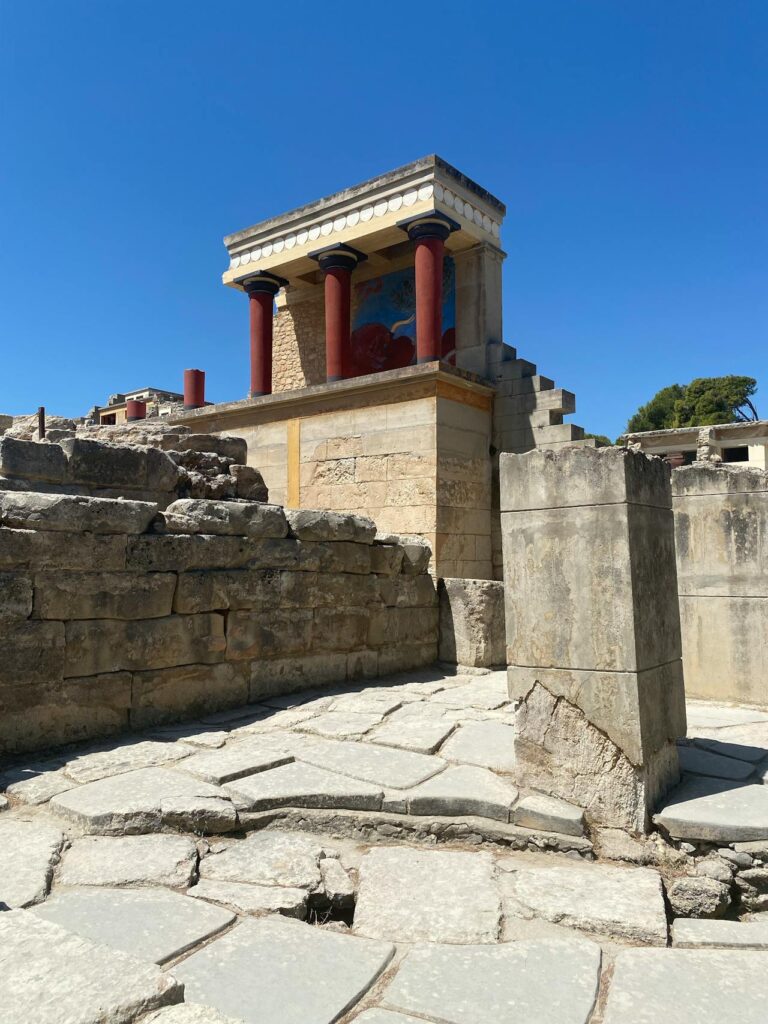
(601, 440)
(703, 402)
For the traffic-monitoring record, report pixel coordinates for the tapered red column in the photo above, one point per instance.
(337, 263)
(261, 294)
(429, 234)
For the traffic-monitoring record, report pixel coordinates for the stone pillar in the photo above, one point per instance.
(593, 628)
(478, 305)
(194, 389)
(429, 233)
(261, 290)
(337, 263)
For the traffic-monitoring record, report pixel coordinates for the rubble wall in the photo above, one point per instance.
(107, 624)
(721, 533)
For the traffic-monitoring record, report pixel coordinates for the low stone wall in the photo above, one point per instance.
(721, 532)
(114, 616)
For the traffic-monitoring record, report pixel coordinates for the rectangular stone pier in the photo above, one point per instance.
(593, 628)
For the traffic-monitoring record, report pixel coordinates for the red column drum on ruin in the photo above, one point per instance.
(261, 291)
(337, 263)
(135, 410)
(429, 233)
(194, 389)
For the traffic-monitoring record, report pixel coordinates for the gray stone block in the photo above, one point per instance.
(258, 900)
(28, 510)
(227, 518)
(181, 553)
(166, 695)
(317, 525)
(15, 596)
(715, 810)
(130, 860)
(31, 460)
(29, 549)
(462, 790)
(99, 464)
(268, 858)
(472, 622)
(31, 652)
(697, 933)
(29, 850)
(300, 785)
(224, 445)
(101, 595)
(550, 814)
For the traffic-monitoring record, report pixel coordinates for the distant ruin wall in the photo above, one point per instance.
(721, 535)
(105, 627)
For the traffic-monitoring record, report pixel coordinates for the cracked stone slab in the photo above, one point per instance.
(123, 757)
(303, 785)
(188, 1013)
(33, 785)
(380, 1016)
(688, 986)
(245, 898)
(408, 895)
(278, 971)
(419, 734)
(237, 759)
(723, 812)
(336, 884)
(464, 789)
(549, 981)
(487, 744)
(720, 743)
(485, 693)
(29, 851)
(152, 925)
(373, 702)
(382, 766)
(551, 814)
(55, 977)
(130, 860)
(196, 735)
(624, 903)
(341, 724)
(707, 762)
(693, 933)
(146, 801)
(268, 858)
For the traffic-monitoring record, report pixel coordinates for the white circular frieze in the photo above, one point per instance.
(395, 203)
(425, 192)
(314, 232)
(353, 218)
(366, 213)
(290, 241)
(340, 223)
(266, 250)
(302, 236)
(326, 228)
(279, 245)
(410, 197)
(235, 262)
(245, 258)
(380, 209)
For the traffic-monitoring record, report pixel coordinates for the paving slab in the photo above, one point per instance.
(337, 885)
(147, 800)
(706, 762)
(719, 743)
(464, 789)
(488, 744)
(35, 786)
(718, 716)
(50, 976)
(253, 899)
(240, 757)
(277, 971)
(723, 812)
(624, 903)
(408, 895)
(549, 981)
(369, 762)
(688, 986)
(123, 756)
(152, 925)
(483, 692)
(303, 785)
(697, 933)
(268, 858)
(129, 860)
(195, 734)
(341, 724)
(29, 851)
(188, 1013)
(380, 1016)
(550, 814)
(417, 733)
(372, 702)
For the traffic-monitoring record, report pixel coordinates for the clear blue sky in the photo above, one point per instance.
(628, 139)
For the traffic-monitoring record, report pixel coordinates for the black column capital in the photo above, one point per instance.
(428, 225)
(264, 282)
(338, 257)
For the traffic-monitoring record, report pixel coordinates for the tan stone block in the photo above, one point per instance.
(110, 645)
(277, 633)
(362, 665)
(409, 591)
(411, 464)
(402, 657)
(31, 652)
(463, 442)
(170, 694)
(103, 595)
(411, 492)
(412, 414)
(288, 675)
(372, 496)
(386, 559)
(28, 549)
(394, 625)
(343, 447)
(371, 468)
(342, 630)
(399, 439)
(327, 590)
(218, 590)
(334, 472)
(180, 552)
(15, 595)
(464, 493)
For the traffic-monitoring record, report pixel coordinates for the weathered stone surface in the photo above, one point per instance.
(753, 886)
(301, 785)
(341, 724)
(715, 867)
(15, 596)
(187, 1013)
(99, 464)
(164, 695)
(225, 445)
(337, 885)
(421, 735)
(28, 852)
(147, 800)
(109, 645)
(487, 744)
(472, 622)
(408, 895)
(705, 762)
(35, 783)
(550, 814)
(276, 971)
(30, 510)
(150, 924)
(122, 756)
(130, 860)
(688, 987)
(486, 692)
(514, 982)
(31, 460)
(624, 903)
(180, 553)
(723, 812)
(207, 591)
(249, 483)
(229, 518)
(268, 858)
(4, 805)
(698, 897)
(268, 634)
(316, 525)
(380, 1016)
(464, 789)
(745, 743)
(101, 595)
(387, 559)
(391, 769)
(31, 549)
(246, 898)
(31, 652)
(238, 759)
(693, 933)
(416, 555)
(54, 977)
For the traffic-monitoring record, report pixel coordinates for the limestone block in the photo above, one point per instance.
(387, 559)
(698, 897)
(249, 483)
(339, 630)
(416, 555)
(253, 899)
(182, 553)
(472, 622)
(109, 645)
(105, 465)
(309, 556)
(288, 675)
(408, 591)
(28, 510)
(272, 634)
(32, 460)
(403, 625)
(29, 549)
(399, 657)
(317, 525)
(15, 596)
(103, 595)
(31, 652)
(328, 590)
(165, 695)
(228, 518)
(550, 814)
(217, 590)
(225, 445)
(130, 860)
(28, 852)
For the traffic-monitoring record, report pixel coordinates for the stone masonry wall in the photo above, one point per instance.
(115, 616)
(721, 532)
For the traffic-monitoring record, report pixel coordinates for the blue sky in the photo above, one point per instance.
(628, 140)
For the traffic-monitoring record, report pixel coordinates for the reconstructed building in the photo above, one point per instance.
(136, 405)
(380, 380)
(726, 442)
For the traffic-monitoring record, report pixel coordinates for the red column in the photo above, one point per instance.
(135, 410)
(194, 389)
(429, 298)
(261, 294)
(337, 263)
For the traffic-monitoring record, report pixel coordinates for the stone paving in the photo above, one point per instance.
(366, 854)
